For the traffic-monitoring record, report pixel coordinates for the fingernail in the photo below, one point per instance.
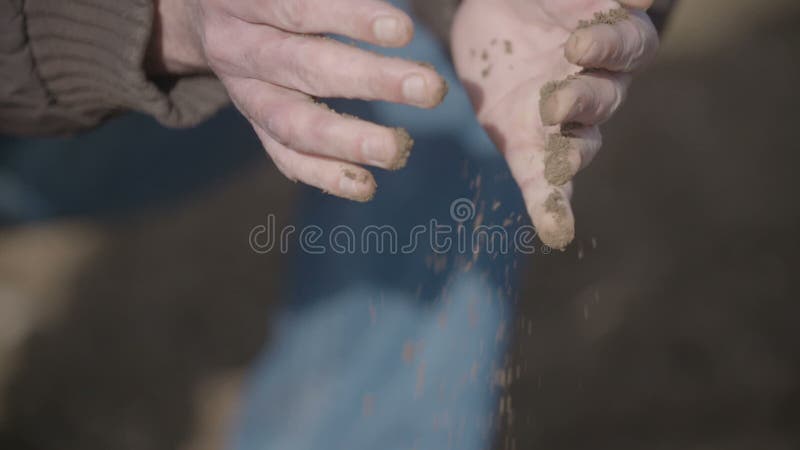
(374, 150)
(578, 47)
(357, 186)
(387, 29)
(415, 90)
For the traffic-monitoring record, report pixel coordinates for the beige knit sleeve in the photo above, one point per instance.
(67, 65)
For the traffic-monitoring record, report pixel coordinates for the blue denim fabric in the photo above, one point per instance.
(381, 351)
(371, 351)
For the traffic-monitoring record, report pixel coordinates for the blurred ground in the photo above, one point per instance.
(675, 330)
(133, 332)
(679, 331)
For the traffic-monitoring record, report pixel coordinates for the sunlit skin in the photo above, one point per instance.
(273, 63)
(506, 51)
(271, 60)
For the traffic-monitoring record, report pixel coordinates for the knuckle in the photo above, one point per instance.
(376, 82)
(216, 43)
(285, 122)
(293, 14)
(281, 126)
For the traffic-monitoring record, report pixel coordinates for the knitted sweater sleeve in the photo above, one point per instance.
(68, 65)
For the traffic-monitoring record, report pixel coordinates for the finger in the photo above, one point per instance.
(326, 68)
(334, 177)
(568, 151)
(547, 197)
(588, 98)
(548, 205)
(552, 216)
(297, 122)
(638, 4)
(372, 21)
(623, 46)
(551, 212)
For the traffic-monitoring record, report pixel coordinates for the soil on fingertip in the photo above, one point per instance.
(555, 205)
(557, 168)
(605, 18)
(361, 178)
(563, 235)
(551, 87)
(404, 143)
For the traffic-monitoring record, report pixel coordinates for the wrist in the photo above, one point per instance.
(175, 47)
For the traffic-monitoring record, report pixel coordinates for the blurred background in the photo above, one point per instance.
(131, 305)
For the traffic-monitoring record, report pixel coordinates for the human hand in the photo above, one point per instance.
(542, 75)
(272, 61)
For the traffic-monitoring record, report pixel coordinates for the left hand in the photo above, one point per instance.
(542, 75)
(273, 62)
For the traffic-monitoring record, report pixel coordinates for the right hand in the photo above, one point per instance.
(543, 75)
(272, 60)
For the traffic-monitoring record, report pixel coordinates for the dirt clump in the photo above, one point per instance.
(557, 168)
(550, 88)
(605, 18)
(405, 143)
(564, 233)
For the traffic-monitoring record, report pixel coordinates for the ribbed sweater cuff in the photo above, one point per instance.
(89, 56)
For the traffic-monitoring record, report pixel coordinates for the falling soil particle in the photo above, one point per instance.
(606, 18)
(408, 352)
(420, 386)
(500, 379)
(485, 55)
(564, 233)
(501, 332)
(368, 405)
(558, 170)
(487, 71)
(404, 143)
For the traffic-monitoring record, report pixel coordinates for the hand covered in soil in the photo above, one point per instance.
(542, 75)
(271, 59)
